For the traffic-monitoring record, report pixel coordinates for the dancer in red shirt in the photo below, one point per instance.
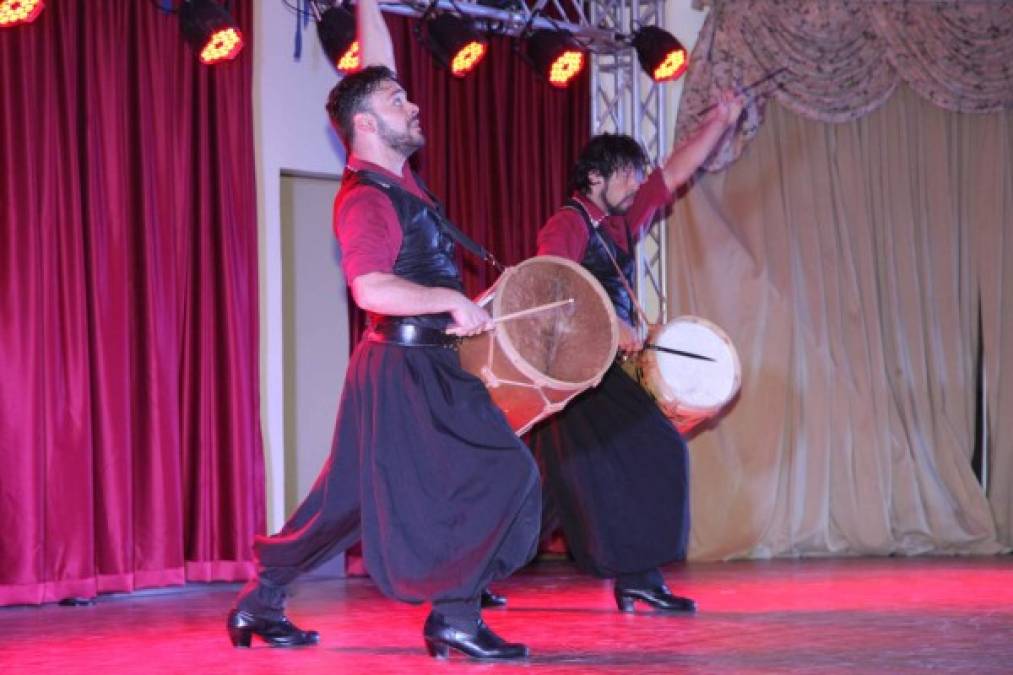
(424, 468)
(616, 469)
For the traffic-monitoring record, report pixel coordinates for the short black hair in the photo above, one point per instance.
(605, 154)
(349, 96)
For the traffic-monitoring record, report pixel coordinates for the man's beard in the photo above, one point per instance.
(619, 209)
(403, 142)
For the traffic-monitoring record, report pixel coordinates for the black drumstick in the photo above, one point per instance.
(747, 88)
(677, 352)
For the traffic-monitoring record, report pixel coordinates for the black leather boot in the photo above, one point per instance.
(441, 637)
(242, 626)
(490, 599)
(659, 598)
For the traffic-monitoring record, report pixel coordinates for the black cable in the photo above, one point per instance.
(296, 10)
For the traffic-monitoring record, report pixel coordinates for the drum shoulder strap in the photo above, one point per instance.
(595, 231)
(594, 226)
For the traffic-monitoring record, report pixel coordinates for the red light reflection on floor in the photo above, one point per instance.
(877, 615)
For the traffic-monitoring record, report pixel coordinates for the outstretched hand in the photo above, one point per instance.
(694, 149)
(726, 110)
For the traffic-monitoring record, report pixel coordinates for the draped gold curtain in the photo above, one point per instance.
(847, 262)
(838, 60)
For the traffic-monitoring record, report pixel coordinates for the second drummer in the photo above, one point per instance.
(616, 470)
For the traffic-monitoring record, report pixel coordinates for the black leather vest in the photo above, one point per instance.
(426, 256)
(597, 261)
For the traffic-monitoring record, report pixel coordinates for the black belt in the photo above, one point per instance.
(410, 335)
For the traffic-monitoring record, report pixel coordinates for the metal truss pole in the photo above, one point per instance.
(624, 100)
(511, 17)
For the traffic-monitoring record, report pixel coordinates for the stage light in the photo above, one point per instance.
(14, 12)
(555, 56)
(660, 54)
(211, 30)
(336, 29)
(455, 44)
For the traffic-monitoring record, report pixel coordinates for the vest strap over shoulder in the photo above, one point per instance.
(455, 233)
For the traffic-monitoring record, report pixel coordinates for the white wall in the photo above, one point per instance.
(684, 22)
(291, 132)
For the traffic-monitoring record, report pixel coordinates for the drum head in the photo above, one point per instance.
(697, 384)
(569, 345)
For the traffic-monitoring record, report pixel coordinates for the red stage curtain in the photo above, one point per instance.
(499, 144)
(130, 451)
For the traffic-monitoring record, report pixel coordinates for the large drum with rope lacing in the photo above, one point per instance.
(535, 360)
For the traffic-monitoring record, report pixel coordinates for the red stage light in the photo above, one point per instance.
(210, 30)
(566, 67)
(13, 12)
(223, 45)
(467, 58)
(336, 30)
(555, 56)
(672, 67)
(661, 55)
(350, 61)
(454, 43)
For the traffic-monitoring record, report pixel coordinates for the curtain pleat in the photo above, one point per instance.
(837, 60)
(846, 263)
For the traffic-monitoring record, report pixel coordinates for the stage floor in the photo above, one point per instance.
(870, 615)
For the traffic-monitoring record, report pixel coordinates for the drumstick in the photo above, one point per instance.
(677, 352)
(747, 89)
(525, 312)
(532, 310)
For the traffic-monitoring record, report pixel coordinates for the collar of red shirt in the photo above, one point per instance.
(597, 215)
(359, 164)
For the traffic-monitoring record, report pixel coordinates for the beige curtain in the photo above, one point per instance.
(838, 60)
(846, 262)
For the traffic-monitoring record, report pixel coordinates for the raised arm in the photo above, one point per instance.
(687, 157)
(375, 46)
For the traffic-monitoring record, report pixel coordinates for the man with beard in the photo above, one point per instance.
(616, 469)
(424, 469)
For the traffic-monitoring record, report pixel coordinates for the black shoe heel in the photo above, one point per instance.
(659, 598)
(242, 626)
(491, 600)
(440, 638)
(240, 637)
(437, 649)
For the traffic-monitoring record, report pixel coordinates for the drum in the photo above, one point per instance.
(689, 390)
(535, 363)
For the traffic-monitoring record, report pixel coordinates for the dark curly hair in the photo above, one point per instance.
(349, 97)
(605, 154)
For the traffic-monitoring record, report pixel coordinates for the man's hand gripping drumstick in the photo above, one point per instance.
(456, 329)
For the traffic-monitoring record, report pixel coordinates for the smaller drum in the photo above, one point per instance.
(534, 364)
(690, 390)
